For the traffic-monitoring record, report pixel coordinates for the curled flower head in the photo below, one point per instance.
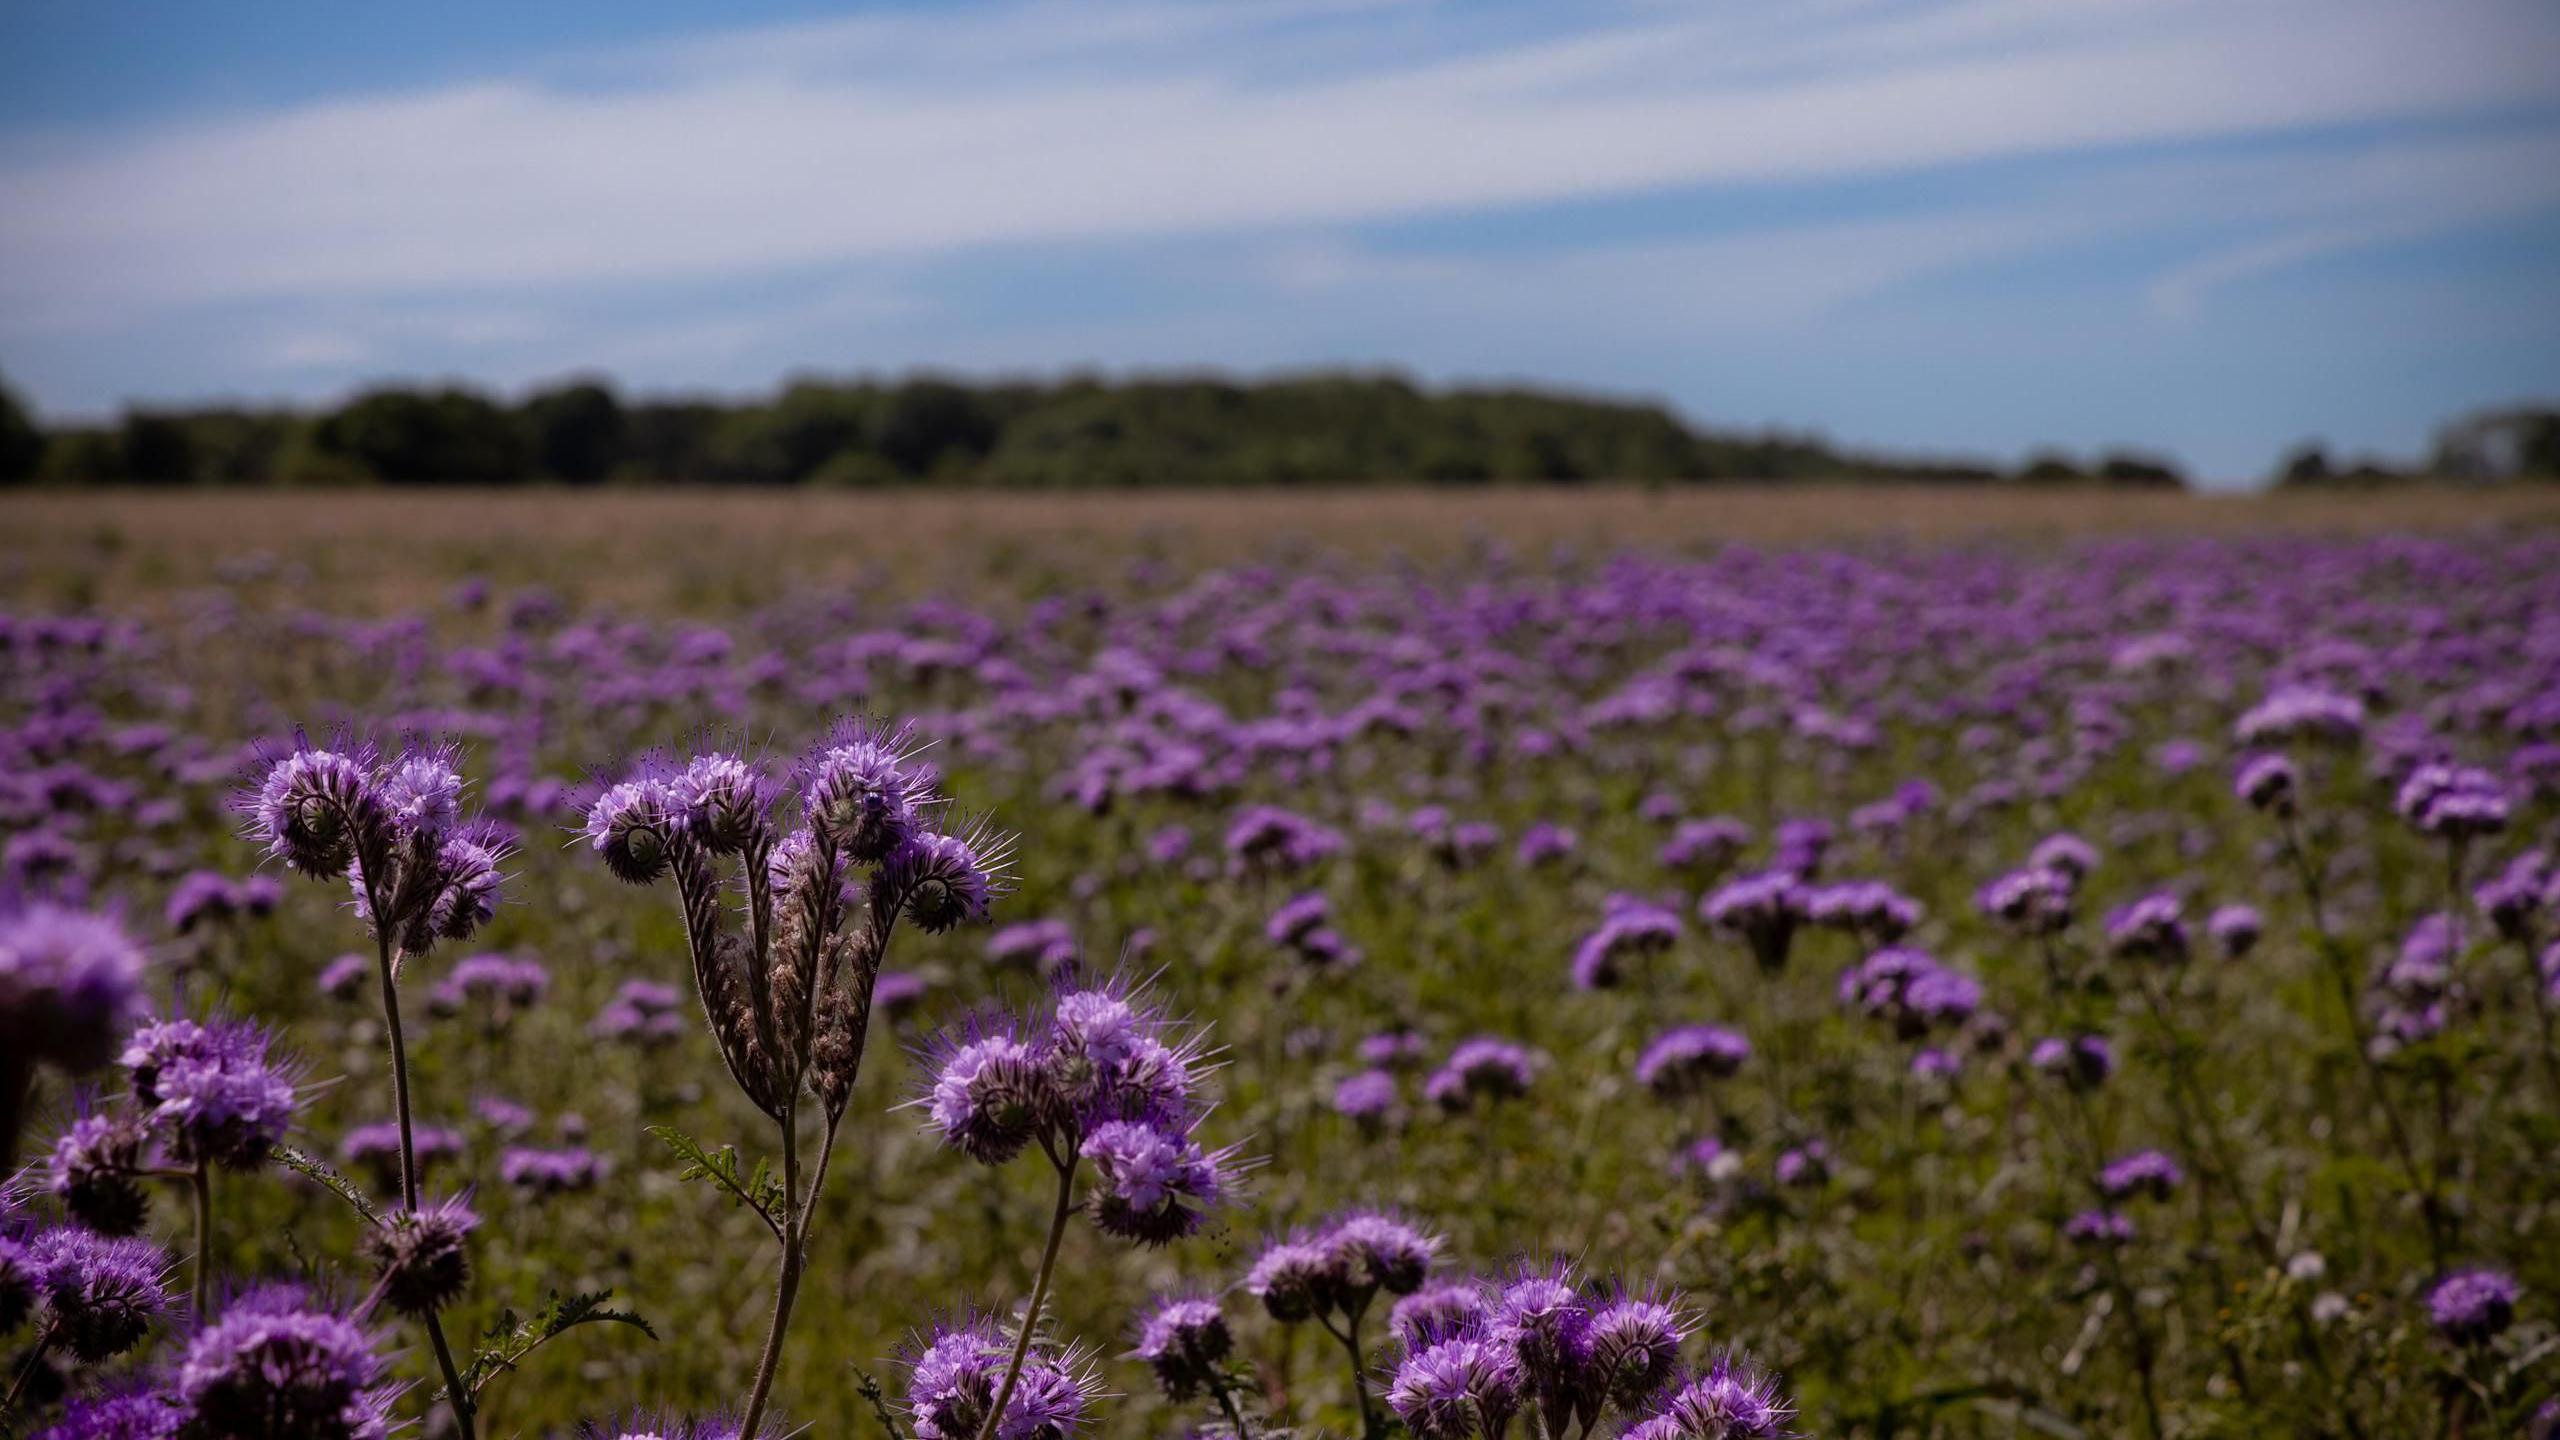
(1366, 1096)
(2470, 1306)
(1152, 1181)
(1111, 1052)
(96, 1168)
(946, 880)
(632, 825)
(276, 1366)
(1633, 1347)
(314, 808)
(100, 1292)
(1543, 1319)
(422, 1258)
(722, 800)
(1458, 1387)
(1439, 1308)
(860, 789)
(1733, 1400)
(1298, 1277)
(989, 1092)
(953, 1372)
(1184, 1339)
(70, 985)
(1382, 1250)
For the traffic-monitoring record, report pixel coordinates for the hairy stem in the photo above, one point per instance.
(1039, 1295)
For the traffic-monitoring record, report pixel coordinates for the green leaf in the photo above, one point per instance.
(879, 1401)
(760, 1191)
(509, 1339)
(330, 1180)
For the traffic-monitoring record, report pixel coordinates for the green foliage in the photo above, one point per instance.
(21, 443)
(760, 1190)
(511, 1337)
(1078, 433)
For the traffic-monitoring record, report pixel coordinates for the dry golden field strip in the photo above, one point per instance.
(714, 549)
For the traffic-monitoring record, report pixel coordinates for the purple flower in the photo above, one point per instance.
(1299, 1276)
(953, 1372)
(2470, 1306)
(989, 1092)
(2098, 1228)
(100, 1292)
(1487, 1066)
(2302, 712)
(1184, 1339)
(95, 1171)
(861, 791)
(1380, 1250)
(643, 1012)
(722, 801)
(1632, 1347)
(315, 808)
(274, 1367)
(2268, 782)
(2084, 1061)
(544, 1173)
(344, 977)
(1268, 839)
(1682, 1059)
(1630, 928)
(1763, 910)
(2453, 801)
(1542, 1319)
(1703, 847)
(1462, 1387)
(2035, 901)
(1152, 1182)
(213, 1093)
(1439, 1308)
(1732, 1401)
(1366, 1095)
(1545, 843)
(70, 985)
(2235, 928)
(2144, 1172)
(2151, 928)
(1804, 1166)
(421, 1258)
(945, 880)
(632, 825)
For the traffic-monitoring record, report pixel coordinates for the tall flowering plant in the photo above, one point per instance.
(791, 894)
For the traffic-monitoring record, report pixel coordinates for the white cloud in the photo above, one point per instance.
(1047, 123)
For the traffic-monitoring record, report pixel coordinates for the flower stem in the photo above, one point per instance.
(1039, 1295)
(786, 1284)
(456, 1395)
(201, 1182)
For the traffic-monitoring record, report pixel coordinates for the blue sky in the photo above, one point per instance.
(1968, 226)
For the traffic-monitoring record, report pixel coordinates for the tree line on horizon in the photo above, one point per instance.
(1075, 433)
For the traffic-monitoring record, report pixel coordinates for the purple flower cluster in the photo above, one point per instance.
(955, 1369)
(1487, 1067)
(1682, 1059)
(394, 831)
(1630, 928)
(1538, 1340)
(1911, 991)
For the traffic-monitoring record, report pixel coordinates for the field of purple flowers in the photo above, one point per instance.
(2068, 989)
